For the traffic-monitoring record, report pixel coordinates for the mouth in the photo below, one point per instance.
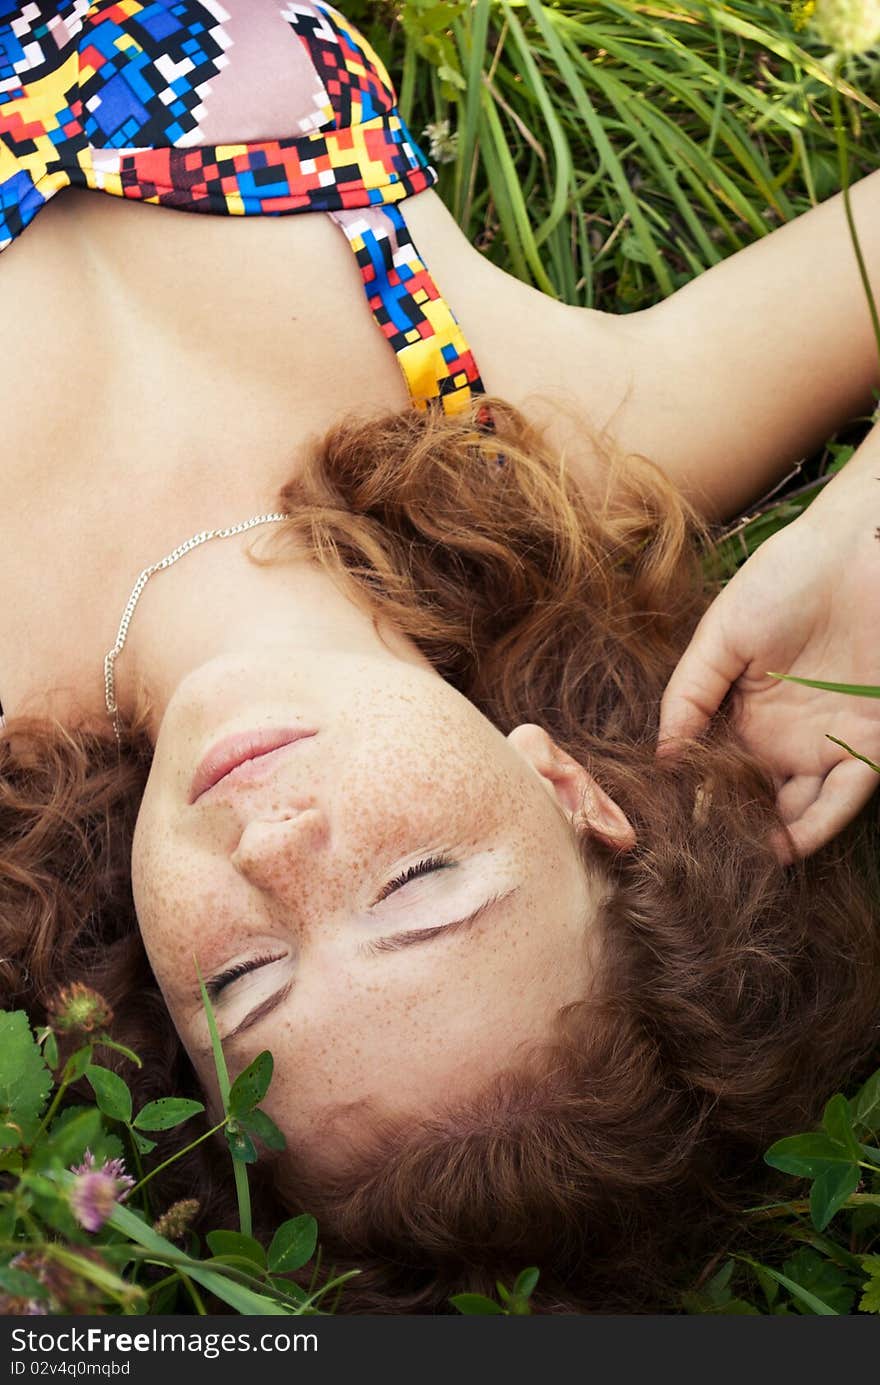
(244, 757)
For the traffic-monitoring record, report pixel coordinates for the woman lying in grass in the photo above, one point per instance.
(534, 994)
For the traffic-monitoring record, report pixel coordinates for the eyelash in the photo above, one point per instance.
(431, 863)
(226, 978)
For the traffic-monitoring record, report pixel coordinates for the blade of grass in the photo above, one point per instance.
(585, 108)
(854, 753)
(468, 148)
(242, 1188)
(507, 191)
(815, 1305)
(632, 117)
(853, 689)
(564, 166)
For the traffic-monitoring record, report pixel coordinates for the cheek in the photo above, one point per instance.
(425, 789)
(175, 897)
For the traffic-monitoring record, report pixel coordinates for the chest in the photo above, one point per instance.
(170, 374)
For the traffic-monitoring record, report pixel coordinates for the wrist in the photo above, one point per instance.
(850, 503)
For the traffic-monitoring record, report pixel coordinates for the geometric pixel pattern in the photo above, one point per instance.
(120, 96)
(354, 76)
(411, 313)
(143, 71)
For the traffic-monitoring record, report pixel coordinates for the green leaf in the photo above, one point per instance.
(111, 1093)
(769, 1287)
(837, 1124)
(830, 1191)
(251, 1086)
(716, 1296)
(241, 1146)
(449, 74)
(633, 249)
(9, 1214)
(526, 1282)
(76, 1065)
(816, 1274)
(293, 1244)
(287, 1286)
(718, 1287)
(811, 1301)
(10, 1137)
(806, 1155)
(104, 1041)
(164, 1301)
(25, 1081)
(143, 1145)
(166, 1113)
(234, 1243)
(21, 1284)
(519, 1307)
(50, 1050)
(870, 1299)
(257, 1123)
(476, 1305)
(865, 1106)
(77, 1129)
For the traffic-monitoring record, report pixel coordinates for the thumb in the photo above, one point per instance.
(702, 677)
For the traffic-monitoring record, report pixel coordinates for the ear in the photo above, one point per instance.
(584, 802)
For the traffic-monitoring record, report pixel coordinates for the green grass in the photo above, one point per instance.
(608, 152)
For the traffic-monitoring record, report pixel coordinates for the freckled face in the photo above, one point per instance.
(392, 904)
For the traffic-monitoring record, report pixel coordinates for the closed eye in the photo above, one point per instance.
(216, 984)
(426, 867)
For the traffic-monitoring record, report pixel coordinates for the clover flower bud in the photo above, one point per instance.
(77, 1009)
(97, 1190)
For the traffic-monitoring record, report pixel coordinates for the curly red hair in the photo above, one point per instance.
(734, 994)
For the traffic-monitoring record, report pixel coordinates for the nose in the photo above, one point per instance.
(273, 852)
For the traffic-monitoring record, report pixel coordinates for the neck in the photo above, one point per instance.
(221, 603)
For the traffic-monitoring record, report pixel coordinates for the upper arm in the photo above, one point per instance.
(757, 361)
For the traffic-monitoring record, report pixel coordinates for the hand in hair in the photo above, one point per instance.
(806, 604)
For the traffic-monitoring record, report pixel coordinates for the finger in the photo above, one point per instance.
(698, 685)
(844, 792)
(797, 794)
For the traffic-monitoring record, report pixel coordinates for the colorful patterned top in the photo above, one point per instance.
(245, 108)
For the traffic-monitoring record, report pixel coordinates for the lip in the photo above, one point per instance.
(247, 754)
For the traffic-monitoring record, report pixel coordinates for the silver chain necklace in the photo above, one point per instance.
(168, 561)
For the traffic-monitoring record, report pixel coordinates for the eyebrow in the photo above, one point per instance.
(265, 1007)
(413, 937)
(394, 943)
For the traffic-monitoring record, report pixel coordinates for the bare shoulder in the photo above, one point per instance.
(539, 354)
